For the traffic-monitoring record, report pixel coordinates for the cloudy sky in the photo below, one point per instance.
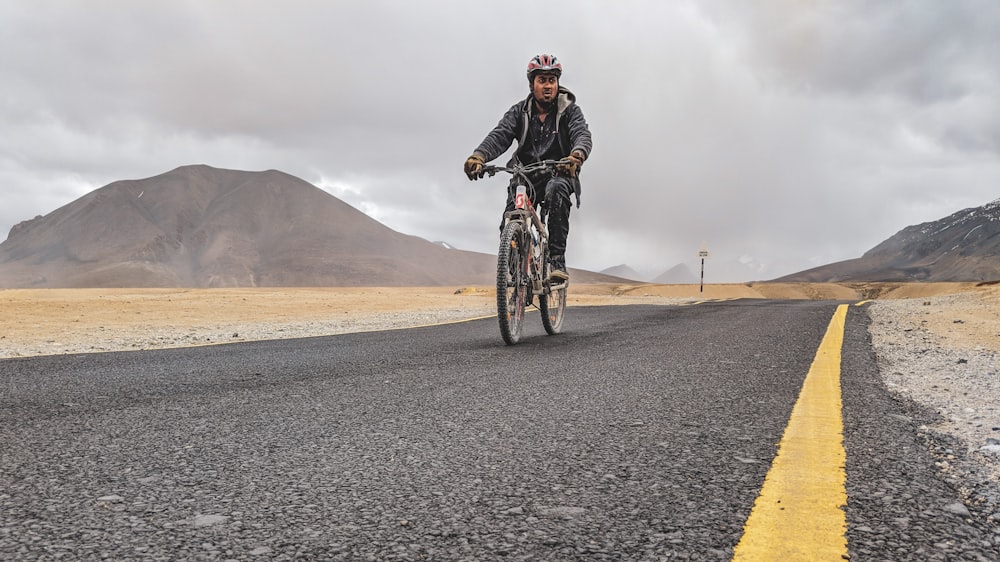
(778, 133)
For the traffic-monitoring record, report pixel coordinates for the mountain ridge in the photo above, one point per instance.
(199, 226)
(964, 246)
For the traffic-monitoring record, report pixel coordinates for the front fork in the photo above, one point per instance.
(538, 266)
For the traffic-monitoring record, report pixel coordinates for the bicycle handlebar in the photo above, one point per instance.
(522, 169)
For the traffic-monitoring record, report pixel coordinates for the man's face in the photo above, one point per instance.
(545, 87)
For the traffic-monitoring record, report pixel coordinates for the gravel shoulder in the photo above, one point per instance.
(943, 353)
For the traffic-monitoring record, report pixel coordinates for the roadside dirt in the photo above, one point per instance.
(68, 320)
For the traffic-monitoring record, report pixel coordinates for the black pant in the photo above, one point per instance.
(557, 204)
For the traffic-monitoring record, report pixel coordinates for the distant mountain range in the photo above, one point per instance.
(198, 226)
(679, 274)
(964, 246)
(623, 271)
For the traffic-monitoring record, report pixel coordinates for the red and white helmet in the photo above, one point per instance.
(544, 63)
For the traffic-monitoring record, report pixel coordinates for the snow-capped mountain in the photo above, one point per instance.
(964, 246)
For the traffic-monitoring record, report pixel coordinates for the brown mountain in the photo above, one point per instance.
(198, 226)
(964, 246)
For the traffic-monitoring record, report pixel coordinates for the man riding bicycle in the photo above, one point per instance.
(548, 125)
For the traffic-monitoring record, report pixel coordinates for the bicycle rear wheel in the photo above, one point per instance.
(513, 285)
(553, 308)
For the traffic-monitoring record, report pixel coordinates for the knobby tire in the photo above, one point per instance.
(513, 286)
(552, 305)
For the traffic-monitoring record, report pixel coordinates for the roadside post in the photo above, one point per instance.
(702, 253)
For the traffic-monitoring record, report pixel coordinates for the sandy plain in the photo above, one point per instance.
(53, 321)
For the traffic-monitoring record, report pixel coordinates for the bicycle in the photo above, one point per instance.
(523, 259)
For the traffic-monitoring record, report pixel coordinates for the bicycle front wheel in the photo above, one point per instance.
(513, 285)
(552, 305)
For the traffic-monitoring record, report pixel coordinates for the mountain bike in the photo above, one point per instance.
(523, 259)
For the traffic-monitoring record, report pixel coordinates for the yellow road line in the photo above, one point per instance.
(703, 301)
(799, 513)
(866, 301)
(441, 323)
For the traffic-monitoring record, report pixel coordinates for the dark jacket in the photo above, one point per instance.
(571, 128)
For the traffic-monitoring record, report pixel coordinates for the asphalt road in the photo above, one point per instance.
(642, 433)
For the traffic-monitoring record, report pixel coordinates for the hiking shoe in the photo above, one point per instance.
(557, 270)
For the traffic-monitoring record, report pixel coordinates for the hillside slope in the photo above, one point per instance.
(964, 246)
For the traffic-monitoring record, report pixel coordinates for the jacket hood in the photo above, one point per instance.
(565, 98)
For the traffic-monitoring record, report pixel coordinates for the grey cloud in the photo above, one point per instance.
(786, 132)
(921, 50)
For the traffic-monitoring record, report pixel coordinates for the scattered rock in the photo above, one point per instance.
(208, 520)
(957, 508)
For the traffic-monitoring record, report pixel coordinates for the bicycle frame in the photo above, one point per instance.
(524, 210)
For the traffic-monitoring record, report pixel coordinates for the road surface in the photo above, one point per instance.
(641, 433)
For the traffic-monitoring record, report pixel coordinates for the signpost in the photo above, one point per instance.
(702, 253)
